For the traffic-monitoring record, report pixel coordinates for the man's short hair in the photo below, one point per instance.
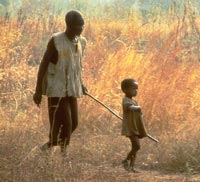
(127, 82)
(72, 17)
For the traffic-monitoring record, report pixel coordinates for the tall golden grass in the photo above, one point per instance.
(163, 56)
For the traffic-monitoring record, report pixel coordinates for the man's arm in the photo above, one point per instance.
(50, 55)
(83, 46)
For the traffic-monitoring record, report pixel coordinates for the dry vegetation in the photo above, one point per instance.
(163, 55)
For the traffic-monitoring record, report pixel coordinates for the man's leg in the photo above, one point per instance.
(74, 112)
(55, 111)
(66, 128)
(54, 120)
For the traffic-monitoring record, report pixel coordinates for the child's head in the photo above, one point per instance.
(129, 86)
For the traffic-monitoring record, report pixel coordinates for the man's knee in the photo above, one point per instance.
(74, 126)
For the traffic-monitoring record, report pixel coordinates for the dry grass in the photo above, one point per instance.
(164, 58)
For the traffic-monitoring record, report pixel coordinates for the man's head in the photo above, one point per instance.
(129, 86)
(74, 22)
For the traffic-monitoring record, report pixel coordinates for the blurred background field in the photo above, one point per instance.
(153, 42)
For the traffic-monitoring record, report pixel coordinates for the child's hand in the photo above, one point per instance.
(138, 109)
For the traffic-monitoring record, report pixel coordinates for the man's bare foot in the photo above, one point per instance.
(125, 164)
(46, 147)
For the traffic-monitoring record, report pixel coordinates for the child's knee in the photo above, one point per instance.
(135, 143)
(137, 147)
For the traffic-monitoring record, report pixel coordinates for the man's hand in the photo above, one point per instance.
(84, 89)
(37, 98)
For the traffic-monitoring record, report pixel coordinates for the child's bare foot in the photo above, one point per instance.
(133, 170)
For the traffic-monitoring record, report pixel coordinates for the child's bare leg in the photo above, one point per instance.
(132, 154)
(132, 165)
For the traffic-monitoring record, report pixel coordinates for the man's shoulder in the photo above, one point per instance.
(58, 34)
(83, 39)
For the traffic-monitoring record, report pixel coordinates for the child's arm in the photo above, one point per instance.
(134, 108)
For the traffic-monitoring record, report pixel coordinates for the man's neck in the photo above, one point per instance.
(70, 35)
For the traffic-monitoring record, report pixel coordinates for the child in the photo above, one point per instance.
(132, 125)
(59, 78)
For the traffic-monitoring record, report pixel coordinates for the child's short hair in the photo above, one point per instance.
(126, 83)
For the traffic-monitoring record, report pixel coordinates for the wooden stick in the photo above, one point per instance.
(149, 136)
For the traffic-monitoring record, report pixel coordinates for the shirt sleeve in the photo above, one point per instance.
(50, 55)
(127, 103)
(83, 45)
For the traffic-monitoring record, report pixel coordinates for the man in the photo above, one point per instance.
(60, 79)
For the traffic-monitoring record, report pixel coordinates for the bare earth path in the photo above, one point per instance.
(37, 167)
(89, 159)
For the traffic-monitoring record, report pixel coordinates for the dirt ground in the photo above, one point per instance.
(89, 158)
(36, 166)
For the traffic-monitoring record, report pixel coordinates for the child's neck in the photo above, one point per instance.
(130, 97)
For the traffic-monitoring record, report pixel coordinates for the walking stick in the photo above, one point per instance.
(149, 136)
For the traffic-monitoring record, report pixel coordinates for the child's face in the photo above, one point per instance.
(132, 89)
